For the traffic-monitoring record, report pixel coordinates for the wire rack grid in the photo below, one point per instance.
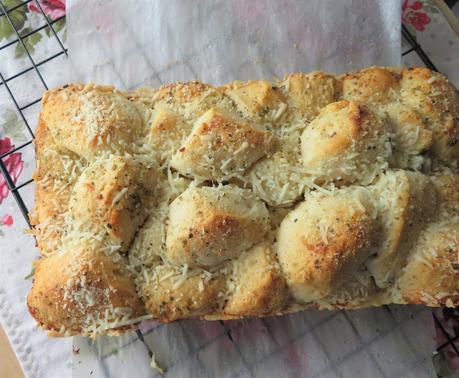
(34, 66)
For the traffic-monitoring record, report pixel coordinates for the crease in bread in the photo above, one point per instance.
(254, 198)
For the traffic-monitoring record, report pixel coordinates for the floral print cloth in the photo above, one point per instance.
(422, 18)
(12, 128)
(14, 165)
(413, 13)
(53, 8)
(17, 250)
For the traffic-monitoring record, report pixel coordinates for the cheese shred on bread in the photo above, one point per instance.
(251, 199)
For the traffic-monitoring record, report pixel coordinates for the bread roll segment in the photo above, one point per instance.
(254, 198)
(91, 119)
(406, 202)
(309, 93)
(374, 85)
(345, 143)
(220, 146)
(257, 284)
(437, 101)
(431, 276)
(210, 225)
(83, 292)
(114, 192)
(324, 241)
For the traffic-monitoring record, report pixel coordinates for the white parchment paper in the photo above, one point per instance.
(136, 43)
(130, 43)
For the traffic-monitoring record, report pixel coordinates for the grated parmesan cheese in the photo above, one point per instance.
(119, 195)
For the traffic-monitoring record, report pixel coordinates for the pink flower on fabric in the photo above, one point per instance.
(13, 164)
(52, 8)
(7, 220)
(412, 16)
(453, 358)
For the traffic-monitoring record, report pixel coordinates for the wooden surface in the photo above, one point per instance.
(9, 365)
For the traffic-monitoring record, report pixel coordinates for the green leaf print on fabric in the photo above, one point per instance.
(430, 6)
(29, 43)
(431, 9)
(21, 15)
(13, 126)
(57, 26)
(18, 17)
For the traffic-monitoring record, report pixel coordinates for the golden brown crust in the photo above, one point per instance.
(88, 120)
(112, 191)
(432, 275)
(346, 142)
(309, 93)
(447, 185)
(438, 102)
(208, 226)
(373, 85)
(220, 147)
(167, 133)
(407, 201)
(411, 133)
(56, 174)
(324, 241)
(73, 290)
(181, 92)
(169, 296)
(253, 97)
(259, 286)
(251, 199)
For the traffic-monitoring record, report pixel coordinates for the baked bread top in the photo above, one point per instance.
(250, 199)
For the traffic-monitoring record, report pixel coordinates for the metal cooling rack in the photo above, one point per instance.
(35, 66)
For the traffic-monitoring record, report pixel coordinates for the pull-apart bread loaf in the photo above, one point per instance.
(252, 199)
